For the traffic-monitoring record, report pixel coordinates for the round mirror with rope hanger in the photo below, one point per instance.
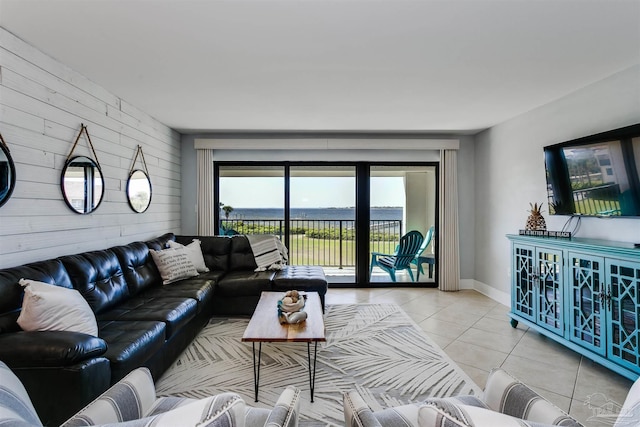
(7, 172)
(139, 185)
(82, 181)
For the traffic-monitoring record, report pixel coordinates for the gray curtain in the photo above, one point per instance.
(206, 227)
(449, 254)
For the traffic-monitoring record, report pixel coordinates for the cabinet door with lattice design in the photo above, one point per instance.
(623, 278)
(550, 306)
(586, 294)
(523, 295)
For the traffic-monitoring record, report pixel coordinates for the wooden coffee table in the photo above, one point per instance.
(264, 326)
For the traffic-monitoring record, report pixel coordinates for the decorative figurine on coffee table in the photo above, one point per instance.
(290, 308)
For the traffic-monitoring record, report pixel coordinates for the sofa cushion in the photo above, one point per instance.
(99, 278)
(48, 307)
(216, 250)
(130, 344)
(50, 271)
(175, 312)
(49, 348)
(198, 288)
(140, 272)
(241, 255)
(244, 283)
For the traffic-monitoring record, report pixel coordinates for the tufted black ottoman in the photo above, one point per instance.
(301, 278)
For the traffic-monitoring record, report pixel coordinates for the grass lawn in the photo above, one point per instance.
(306, 251)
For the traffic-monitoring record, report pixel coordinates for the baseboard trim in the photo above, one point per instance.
(503, 298)
(467, 284)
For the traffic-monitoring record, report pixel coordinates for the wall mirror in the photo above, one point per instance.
(139, 190)
(7, 173)
(82, 184)
(139, 184)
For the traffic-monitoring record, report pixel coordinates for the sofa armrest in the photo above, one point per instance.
(226, 409)
(58, 392)
(505, 394)
(49, 348)
(16, 408)
(356, 411)
(286, 410)
(131, 398)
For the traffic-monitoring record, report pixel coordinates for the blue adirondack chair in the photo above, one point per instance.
(422, 258)
(405, 253)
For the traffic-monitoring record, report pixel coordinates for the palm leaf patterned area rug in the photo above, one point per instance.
(375, 349)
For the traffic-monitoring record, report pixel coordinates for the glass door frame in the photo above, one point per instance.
(362, 276)
(362, 216)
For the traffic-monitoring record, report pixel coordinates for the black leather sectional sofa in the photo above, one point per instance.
(140, 321)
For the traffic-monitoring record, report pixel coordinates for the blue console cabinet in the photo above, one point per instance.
(583, 293)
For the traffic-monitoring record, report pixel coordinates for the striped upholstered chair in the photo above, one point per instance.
(132, 402)
(506, 402)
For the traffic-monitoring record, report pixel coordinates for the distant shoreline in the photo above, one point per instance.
(376, 213)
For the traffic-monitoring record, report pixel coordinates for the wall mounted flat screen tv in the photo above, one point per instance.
(596, 175)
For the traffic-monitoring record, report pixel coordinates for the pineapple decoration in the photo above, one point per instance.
(535, 221)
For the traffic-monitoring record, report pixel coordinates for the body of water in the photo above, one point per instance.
(391, 213)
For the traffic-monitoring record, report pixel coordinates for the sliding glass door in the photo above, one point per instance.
(336, 215)
(322, 219)
(402, 199)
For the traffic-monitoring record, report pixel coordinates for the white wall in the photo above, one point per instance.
(189, 185)
(42, 105)
(466, 207)
(509, 169)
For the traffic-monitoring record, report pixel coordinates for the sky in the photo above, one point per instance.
(307, 192)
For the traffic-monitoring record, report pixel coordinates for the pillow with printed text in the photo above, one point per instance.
(173, 264)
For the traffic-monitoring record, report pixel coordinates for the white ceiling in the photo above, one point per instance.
(334, 65)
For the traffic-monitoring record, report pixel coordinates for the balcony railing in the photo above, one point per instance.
(601, 200)
(329, 243)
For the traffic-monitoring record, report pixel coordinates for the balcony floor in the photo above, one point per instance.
(347, 275)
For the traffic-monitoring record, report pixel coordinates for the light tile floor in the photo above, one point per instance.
(475, 332)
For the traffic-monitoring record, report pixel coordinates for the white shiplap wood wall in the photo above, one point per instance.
(42, 105)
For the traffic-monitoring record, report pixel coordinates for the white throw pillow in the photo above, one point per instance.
(48, 307)
(194, 252)
(173, 264)
(221, 410)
